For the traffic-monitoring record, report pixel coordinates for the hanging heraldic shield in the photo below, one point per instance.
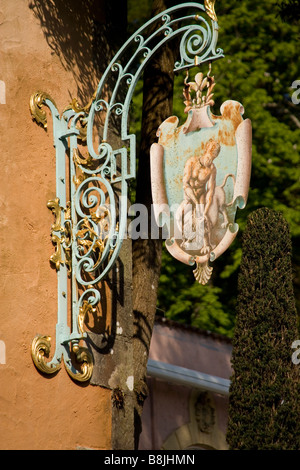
(200, 175)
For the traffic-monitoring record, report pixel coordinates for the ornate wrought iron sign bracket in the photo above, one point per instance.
(90, 216)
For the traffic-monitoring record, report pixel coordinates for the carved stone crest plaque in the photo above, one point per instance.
(200, 175)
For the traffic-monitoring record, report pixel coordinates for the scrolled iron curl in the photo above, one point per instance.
(105, 152)
(87, 264)
(146, 52)
(100, 105)
(116, 67)
(139, 38)
(166, 18)
(85, 199)
(168, 31)
(89, 201)
(105, 171)
(129, 77)
(93, 299)
(194, 42)
(117, 108)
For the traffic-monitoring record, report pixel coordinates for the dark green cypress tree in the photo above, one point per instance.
(264, 412)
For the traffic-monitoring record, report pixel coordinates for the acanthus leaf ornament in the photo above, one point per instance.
(83, 312)
(40, 350)
(61, 236)
(54, 206)
(210, 9)
(84, 360)
(37, 101)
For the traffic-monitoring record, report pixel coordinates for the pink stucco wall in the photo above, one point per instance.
(167, 407)
(191, 348)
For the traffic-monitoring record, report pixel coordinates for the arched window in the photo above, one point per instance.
(202, 432)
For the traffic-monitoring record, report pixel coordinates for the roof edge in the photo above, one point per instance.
(183, 326)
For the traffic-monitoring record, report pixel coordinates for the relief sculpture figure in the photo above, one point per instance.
(198, 214)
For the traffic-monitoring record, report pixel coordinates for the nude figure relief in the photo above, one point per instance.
(204, 202)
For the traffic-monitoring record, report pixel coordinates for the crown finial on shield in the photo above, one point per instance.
(199, 86)
(210, 9)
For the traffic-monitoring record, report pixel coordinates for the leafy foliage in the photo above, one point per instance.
(190, 302)
(290, 10)
(263, 401)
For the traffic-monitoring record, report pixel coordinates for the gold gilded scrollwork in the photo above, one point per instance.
(79, 178)
(40, 349)
(68, 259)
(85, 359)
(56, 258)
(68, 236)
(210, 9)
(88, 238)
(64, 237)
(67, 211)
(54, 206)
(75, 106)
(83, 311)
(78, 161)
(37, 100)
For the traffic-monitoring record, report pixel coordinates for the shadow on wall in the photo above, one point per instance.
(84, 35)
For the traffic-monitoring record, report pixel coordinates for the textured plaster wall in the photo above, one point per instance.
(168, 412)
(36, 412)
